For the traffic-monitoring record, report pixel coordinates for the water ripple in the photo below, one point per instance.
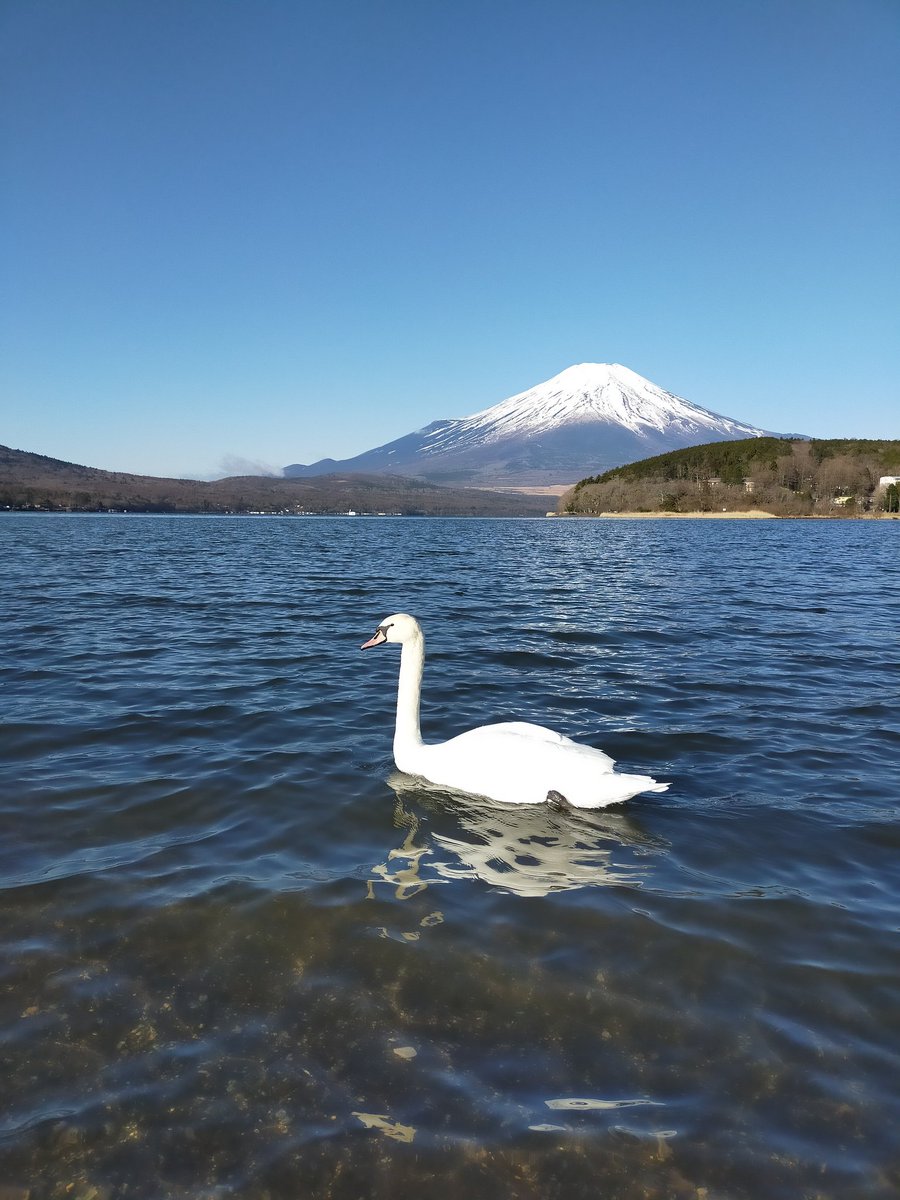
(242, 956)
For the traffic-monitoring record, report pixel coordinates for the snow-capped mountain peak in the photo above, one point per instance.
(586, 419)
(589, 392)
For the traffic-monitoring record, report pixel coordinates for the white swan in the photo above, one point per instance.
(513, 762)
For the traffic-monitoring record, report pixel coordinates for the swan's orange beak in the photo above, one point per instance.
(377, 638)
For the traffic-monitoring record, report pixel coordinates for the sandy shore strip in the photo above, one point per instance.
(752, 514)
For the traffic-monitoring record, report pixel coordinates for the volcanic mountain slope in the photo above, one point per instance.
(587, 419)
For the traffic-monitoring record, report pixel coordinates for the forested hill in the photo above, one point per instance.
(34, 482)
(792, 478)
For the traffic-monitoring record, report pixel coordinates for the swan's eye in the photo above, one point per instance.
(384, 628)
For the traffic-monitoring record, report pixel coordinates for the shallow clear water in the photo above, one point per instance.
(242, 957)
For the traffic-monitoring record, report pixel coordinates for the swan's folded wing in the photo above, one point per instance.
(522, 747)
(537, 733)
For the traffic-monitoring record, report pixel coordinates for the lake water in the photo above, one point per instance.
(241, 957)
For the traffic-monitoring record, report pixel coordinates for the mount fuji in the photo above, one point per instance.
(587, 419)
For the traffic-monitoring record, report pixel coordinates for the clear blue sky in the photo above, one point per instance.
(275, 230)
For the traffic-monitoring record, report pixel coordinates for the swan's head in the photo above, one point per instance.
(401, 627)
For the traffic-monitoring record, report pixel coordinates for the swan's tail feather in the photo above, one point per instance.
(642, 783)
(624, 788)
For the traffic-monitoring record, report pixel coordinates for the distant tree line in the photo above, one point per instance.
(294, 497)
(838, 476)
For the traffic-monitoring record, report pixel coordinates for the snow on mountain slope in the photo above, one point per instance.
(589, 393)
(587, 419)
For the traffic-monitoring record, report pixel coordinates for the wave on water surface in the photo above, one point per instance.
(243, 956)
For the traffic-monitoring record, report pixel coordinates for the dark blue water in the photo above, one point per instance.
(242, 958)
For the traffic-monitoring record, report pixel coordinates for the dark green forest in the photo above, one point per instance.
(835, 477)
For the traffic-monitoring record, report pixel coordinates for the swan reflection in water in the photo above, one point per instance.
(528, 850)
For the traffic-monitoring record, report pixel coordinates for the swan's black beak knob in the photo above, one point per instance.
(377, 638)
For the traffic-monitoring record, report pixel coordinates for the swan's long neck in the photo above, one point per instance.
(409, 688)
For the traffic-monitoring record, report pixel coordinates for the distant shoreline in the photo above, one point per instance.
(752, 514)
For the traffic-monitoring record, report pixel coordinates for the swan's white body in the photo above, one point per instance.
(513, 762)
